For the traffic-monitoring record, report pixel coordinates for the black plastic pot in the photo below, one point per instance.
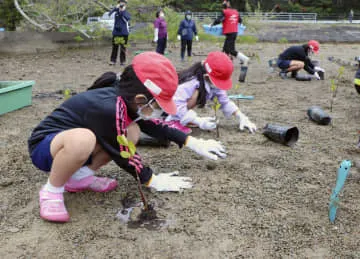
(357, 88)
(316, 114)
(286, 135)
(322, 75)
(303, 77)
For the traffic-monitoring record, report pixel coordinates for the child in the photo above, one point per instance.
(202, 82)
(160, 32)
(186, 32)
(297, 57)
(80, 136)
(230, 18)
(357, 78)
(120, 32)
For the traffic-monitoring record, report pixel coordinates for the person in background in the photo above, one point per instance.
(357, 77)
(120, 32)
(296, 58)
(230, 18)
(186, 32)
(160, 32)
(351, 15)
(201, 83)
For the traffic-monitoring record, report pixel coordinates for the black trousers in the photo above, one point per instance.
(161, 46)
(115, 49)
(229, 44)
(184, 44)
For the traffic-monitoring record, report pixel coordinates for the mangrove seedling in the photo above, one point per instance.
(129, 152)
(216, 106)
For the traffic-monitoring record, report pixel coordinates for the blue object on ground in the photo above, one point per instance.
(216, 30)
(240, 96)
(342, 174)
(2, 29)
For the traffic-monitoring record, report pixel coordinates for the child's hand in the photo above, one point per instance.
(244, 122)
(206, 123)
(169, 182)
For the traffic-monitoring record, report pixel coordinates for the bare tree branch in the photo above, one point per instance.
(102, 5)
(41, 26)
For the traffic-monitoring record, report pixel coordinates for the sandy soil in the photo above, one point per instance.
(265, 200)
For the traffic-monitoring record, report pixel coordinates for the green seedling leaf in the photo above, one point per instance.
(132, 148)
(341, 71)
(122, 140)
(237, 86)
(333, 85)
(216, 105)
(67, 94)
(125, 154)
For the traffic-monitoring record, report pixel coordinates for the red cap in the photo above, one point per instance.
(314, 45)
(219, 68)
(159, 76)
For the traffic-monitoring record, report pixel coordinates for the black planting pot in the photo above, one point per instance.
(286, 135)
(316, 114)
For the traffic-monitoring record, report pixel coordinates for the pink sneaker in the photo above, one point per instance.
(174, 124)
(52, 207)
(91, 183)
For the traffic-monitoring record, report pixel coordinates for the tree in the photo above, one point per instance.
(9, 16)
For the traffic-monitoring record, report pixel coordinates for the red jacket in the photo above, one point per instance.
(231, 20)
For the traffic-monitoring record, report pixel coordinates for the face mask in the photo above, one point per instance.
(162, 15)
(155, 114)
(188, 17)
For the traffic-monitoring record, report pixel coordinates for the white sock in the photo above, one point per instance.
(51, 188)
(82, 173)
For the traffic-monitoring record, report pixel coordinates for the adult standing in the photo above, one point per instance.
(351, 15)
(160, 32)
(120, 32)
(230, 19)
(186, 32)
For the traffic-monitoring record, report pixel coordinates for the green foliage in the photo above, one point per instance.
(283, 40)
(9, 16)
(78, 38)
(123, 141)
(216, 106)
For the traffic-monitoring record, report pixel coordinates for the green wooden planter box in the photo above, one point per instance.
(15, 95)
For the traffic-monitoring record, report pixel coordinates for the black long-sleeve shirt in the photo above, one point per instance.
(299, 53)
(105, 113)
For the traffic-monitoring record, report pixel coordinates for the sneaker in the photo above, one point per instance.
(122, 64)
(294, 74)
(91, 183)
(112, 63)
(52, 207)
(283, 74)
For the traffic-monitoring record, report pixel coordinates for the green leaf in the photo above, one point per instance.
(125, 154)
(217, 106)
(122, 140)
(132, 148)
(237, 86)
(67, 94)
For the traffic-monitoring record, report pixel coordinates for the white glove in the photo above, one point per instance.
(318, 69)
(316, 75)
(210, 25)
(205, 123)
(245, 122)
(197, 38)
(208, 148)
(169, 182)
(156, 33)
(179, 37)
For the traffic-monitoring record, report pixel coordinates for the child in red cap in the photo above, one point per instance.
(81, 135)
(295, 58)
(202, 82)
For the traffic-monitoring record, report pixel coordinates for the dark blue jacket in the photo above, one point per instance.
(357, 77)
(105, 113)
(187, 29)
(299, 53)
(121, 24)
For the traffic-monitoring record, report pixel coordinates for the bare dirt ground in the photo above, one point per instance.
(265, 200)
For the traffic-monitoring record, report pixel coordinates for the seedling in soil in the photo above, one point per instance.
(334, 87)
(129, 153)
(216, 106)
(237, 86)
(67, 94)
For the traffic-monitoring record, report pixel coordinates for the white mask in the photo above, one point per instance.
(155, 114)
(188, 17)
(162, 15)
